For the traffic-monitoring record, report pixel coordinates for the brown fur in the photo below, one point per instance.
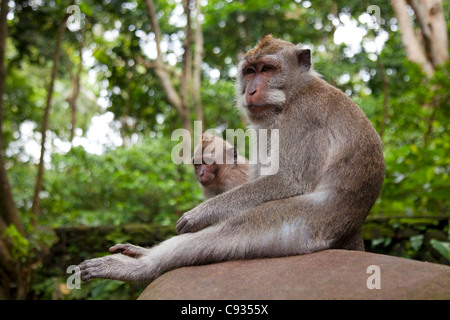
(230, 172)
(268, 45)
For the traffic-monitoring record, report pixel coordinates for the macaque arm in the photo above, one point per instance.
(244, 197)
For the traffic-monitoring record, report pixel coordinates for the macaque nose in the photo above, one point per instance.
(252, 92)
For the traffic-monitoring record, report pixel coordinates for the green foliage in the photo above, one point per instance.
(417, 148)
(138, 183)
(423, 239)
(219, 106)
(21, 246)
(55, 288)
(442, 247)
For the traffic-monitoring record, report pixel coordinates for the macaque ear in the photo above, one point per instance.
(304, 58)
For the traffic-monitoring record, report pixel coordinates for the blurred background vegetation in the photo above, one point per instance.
(92, 91)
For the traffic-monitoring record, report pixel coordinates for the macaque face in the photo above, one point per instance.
(261, 93)
(206, 171)
(210, 167)
(258, 94)
(269, 76)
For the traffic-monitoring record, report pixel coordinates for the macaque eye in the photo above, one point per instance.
(266, 68)
(249, 70)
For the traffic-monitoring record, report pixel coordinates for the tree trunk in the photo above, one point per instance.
(431, 20)
(40, 175)
(179, 100)
(8, 208)
(11, 274)
(431, 48)
(72, 98)
(414, 50)
(3, 34)
(186, 77)
(197, 65)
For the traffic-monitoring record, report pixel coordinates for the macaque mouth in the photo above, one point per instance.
(257, 108)
(207, 182)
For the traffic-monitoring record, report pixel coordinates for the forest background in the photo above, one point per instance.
(92, 90)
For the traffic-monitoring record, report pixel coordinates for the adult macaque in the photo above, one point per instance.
(330, 173)
(218, 166)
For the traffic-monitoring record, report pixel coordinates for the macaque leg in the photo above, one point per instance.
(116, 267)
(290, 226)
(276, 228)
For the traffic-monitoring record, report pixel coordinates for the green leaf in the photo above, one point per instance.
(416, 241)
(442, 247)
(85, 8)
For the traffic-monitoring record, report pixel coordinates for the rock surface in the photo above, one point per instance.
(329, 274)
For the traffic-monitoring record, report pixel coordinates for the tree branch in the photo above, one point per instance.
(40, 175)
(73, 96)
(187, 57)
(160, 70)
(385, 83)
(179, 101)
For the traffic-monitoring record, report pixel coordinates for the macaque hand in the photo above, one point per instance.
(194, 220)
(116, 267)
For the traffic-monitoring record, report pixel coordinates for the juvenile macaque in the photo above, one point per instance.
(218, 166)
(330, 173)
